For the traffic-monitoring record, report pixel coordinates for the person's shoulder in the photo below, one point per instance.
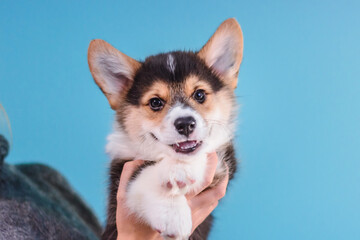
(41, 191)
(42, 174)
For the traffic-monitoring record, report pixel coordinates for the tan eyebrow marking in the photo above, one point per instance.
(158, 89)
(193, 82)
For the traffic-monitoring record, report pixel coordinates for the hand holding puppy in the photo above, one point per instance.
(202, 203)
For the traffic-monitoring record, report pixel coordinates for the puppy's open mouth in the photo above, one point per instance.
(186, 147)
(183, 147)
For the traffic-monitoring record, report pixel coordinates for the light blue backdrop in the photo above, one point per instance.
(299, 87)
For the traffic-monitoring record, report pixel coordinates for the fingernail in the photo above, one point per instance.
(158, 230)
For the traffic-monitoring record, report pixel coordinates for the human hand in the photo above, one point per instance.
(201, 203)
(128, 226)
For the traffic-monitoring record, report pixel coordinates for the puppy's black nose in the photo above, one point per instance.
(185, 125)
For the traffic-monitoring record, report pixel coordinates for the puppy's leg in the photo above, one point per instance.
(172, 218)
(164, 210)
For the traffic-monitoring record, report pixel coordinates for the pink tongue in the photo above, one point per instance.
(187, 144)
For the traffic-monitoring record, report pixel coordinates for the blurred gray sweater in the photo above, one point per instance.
(36, 202)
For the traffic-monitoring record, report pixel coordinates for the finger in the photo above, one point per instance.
(199, 216)
(209, 196)
(209, 174)
(128, 170)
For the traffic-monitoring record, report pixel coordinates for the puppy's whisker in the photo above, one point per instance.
(215, 120)
(143, 142)
(219, 124)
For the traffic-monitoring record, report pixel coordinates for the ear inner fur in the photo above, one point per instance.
(112, 70)
(224, 50)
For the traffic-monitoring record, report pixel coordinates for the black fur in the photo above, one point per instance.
(155, 68)
(230, 160)
(203, 230)
(110, 231)
(138, 171)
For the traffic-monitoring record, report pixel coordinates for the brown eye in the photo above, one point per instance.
(156, 104)
(199, 95)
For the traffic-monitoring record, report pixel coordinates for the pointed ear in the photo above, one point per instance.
(223, 52)
(112, 70)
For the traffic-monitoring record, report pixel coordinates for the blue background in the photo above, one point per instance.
(299, 87)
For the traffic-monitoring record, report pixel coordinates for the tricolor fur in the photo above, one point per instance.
(171, 110)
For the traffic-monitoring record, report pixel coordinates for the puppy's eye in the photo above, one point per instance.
(199, 95)
(156, 104)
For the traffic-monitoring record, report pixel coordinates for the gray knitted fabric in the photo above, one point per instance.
(36, 202)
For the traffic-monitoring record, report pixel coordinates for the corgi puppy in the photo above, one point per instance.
(171, 110)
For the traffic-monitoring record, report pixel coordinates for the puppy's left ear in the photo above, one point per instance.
(223, 52)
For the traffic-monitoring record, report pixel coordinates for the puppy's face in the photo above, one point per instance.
(178, 102)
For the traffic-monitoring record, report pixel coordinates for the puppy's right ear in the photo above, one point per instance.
(112, 70)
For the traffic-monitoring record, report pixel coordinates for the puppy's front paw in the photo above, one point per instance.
(178, 182)
(173, 221)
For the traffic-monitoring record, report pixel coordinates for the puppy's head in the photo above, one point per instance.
(177, 102)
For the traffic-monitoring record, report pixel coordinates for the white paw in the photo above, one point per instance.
(178, 182)
(173, 220)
